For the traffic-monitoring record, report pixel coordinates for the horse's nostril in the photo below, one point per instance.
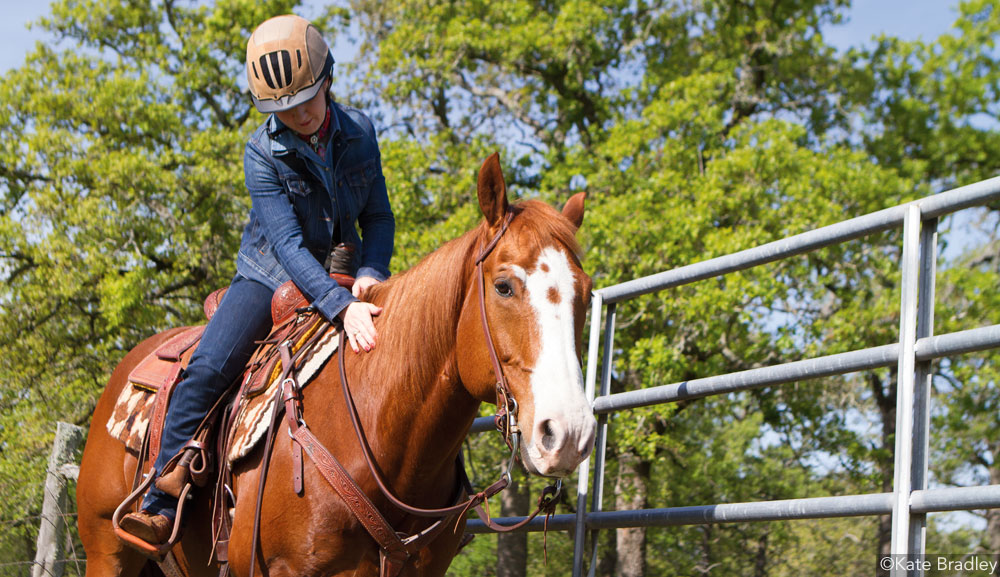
(549, 440)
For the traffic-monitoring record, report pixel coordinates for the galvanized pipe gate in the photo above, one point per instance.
(910, 500)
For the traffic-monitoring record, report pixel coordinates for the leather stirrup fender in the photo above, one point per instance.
(173, 482)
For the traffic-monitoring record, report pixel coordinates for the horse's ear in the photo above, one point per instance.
(574, 208)
(492, 191)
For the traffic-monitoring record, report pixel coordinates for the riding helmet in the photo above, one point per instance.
(287, 61)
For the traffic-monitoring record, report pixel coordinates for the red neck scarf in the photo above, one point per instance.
(317, 140)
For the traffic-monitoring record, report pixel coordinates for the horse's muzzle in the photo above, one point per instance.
(558, 444)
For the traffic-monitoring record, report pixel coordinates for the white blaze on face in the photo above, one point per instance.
(561, 409)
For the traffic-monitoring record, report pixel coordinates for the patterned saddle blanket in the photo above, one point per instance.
(129, 423)
(131, 419)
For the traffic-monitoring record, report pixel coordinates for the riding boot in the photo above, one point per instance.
(154, 522)
(154, 529)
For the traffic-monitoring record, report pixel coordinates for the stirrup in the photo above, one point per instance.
(159, 551)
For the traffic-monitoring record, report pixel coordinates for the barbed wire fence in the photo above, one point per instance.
(57, 550)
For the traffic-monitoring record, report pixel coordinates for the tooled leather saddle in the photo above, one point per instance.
(141, 409)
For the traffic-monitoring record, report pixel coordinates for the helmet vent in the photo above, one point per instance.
(277, 68)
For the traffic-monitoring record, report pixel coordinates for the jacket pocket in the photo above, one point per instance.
(298, 187)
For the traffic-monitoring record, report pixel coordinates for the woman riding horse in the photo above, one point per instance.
(503, 303)
(312, 169)
(495, 315)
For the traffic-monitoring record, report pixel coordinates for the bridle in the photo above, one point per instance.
(506, 416)
(505, 421)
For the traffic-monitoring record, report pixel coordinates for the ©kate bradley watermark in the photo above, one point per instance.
(942, 565)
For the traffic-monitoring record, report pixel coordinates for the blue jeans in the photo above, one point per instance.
(243, 316)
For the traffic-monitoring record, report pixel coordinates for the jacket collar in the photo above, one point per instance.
(284, 141)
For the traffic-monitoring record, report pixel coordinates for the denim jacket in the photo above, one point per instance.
(298, 198)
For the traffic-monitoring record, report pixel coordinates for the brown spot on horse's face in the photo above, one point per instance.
(554, 296)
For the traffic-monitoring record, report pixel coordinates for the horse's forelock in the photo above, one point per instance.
(536, 222)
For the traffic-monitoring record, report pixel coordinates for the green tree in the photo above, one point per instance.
(705, 129)
(699, 128)
(121, 203)
(677, 140)
(968, 387)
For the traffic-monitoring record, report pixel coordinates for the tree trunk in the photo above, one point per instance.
(705, 564)
(993, 515)
(760, 560)
(607, 563)
(631, 490)
(885, 397)
(512, 548)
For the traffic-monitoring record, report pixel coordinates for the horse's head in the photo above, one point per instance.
(536, 298)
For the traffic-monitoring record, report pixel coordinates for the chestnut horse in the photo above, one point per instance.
(417, 394)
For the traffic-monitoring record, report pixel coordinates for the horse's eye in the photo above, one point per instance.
(503, 288)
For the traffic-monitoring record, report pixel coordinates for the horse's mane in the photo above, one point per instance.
(421, 305)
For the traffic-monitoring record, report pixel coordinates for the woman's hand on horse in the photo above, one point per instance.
(361, 284)
(358, 323)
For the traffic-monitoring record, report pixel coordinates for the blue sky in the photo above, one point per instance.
(908, 19)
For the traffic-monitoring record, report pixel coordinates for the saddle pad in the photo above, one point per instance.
(134, 407)
(254, 414)
(130, 419)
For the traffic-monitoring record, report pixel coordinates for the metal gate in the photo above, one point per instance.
(917, 347)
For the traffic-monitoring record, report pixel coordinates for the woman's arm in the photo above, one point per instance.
(284, 233)
(378, 228)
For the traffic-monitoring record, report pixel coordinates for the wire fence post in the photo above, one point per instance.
(51, 533)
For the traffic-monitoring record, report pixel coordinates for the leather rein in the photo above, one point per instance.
(394, 548)
(505, 421)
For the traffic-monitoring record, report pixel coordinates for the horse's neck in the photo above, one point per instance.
(411, 383)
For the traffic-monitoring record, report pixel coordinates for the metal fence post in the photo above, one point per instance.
(52, 530)
(905, 385)
(601, 443)
(580, 533)
(922, 384)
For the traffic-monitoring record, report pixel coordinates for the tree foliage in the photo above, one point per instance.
(698, 128)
